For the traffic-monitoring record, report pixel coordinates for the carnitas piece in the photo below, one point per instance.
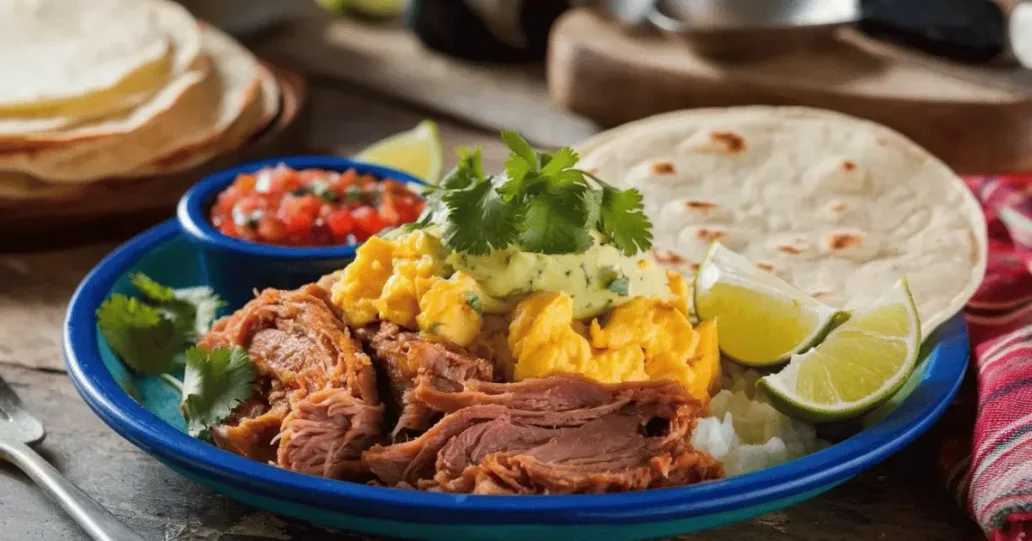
(407, 361)
(315, 381)
(563, 434)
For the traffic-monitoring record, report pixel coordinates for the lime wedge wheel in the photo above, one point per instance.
(763, 319)
(417, 152)
(859, 366)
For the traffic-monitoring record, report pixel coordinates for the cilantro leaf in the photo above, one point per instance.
(592, 202)
(620, 285)
(205, 303)
(520, 176)
(142, 337)
(192, 310)
(623, 220)
(560, 161)
(214, 383)
(480, 220)
(473, 300)
(352, 193)
(150, 337)
(151, 289)
(522, 166)
(555, 221)
(520, 147)
(469, 170)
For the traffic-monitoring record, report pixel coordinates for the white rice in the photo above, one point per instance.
(746, 433)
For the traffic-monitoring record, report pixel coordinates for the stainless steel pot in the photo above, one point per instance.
(728, 28)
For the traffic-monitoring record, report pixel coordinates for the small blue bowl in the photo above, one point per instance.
(236, 268)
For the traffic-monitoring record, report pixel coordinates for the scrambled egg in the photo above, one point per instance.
(543, 340)
(401, 281)
(644, 339)
(359, 288)
(410, 281)
(451, 309)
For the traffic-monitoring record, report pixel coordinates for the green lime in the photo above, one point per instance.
(370, 8)
(859, 366)
(417, 152)
(763, 319)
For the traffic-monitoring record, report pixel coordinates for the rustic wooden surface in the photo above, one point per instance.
(894, 501)
(978, 120)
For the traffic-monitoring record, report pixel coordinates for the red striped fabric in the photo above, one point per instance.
(990, 468)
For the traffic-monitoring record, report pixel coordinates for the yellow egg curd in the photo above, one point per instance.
(644, 339)
(403, 281)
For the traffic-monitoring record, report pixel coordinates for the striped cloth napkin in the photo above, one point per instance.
(989, 467)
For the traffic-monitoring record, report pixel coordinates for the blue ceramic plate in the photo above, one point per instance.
(154, 424)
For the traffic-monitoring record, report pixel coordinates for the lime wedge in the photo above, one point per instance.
(417, 152)
(763, 319)
(369, 8)
(858, 367)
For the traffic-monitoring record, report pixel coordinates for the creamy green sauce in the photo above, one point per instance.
(509, 275)
(587, 277)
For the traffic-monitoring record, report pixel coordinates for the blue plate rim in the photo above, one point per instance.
(192, 209)
(946, 364)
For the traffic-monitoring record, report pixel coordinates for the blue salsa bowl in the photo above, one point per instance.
(235, 267)
(152, 422)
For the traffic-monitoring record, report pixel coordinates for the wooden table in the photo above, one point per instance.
(894, 501)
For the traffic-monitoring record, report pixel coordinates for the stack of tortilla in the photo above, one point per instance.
(119, 89)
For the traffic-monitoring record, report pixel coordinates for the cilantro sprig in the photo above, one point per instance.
(542, 202)
(150, 334)
(154, 334)
(214, 383)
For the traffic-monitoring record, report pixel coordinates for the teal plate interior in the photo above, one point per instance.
(153, 422)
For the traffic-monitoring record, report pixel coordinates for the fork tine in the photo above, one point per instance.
(10, 404)
(16, 416)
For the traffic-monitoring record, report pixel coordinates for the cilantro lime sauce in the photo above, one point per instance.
(597, 280)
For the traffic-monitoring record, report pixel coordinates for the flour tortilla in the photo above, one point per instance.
(252, 122)
(838, 206)
(242, 108)
(71, 67)
(22, 187)
(257, 116)
(200, 113)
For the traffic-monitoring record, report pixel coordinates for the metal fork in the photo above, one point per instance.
(18, 430)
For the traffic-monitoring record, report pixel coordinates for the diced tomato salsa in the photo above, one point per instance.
(312, 207)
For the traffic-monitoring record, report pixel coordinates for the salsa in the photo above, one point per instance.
(312, 207)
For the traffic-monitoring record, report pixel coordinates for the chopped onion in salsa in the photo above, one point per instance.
(312, 207)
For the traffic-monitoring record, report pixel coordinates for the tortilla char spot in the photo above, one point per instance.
(821, 293)
(593, 170)
(794, 248)
(710, 235)
(731, 141)
(837, 206)
(662, 168)
(666, 256)
(849, 165)
(765, 267)
(703, 206)
(843, 240)
(693, 266)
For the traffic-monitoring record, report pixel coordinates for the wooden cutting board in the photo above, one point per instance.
(978, 119)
